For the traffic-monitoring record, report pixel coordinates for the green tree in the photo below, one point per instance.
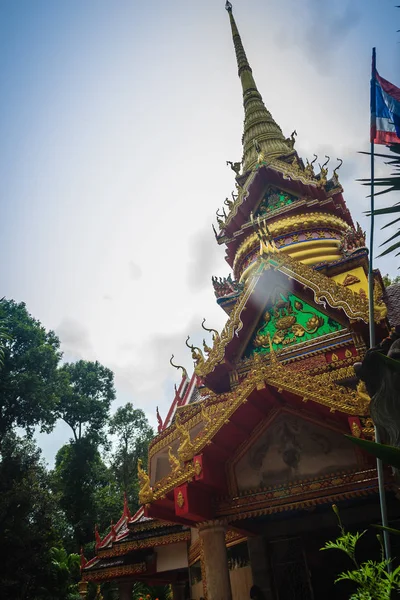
(28, 521)
(28, 378)
(4, 336)
(79, 473)
(133, 434)
(65, 574)
(387, 280)
(86, 393)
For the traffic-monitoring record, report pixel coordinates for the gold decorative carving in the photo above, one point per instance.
(380, 307)
(233, 325)
(355, 429)
(363, 394)
(348, 353)
(205, 416)
(197, 467)
(122, 548)
(368, 428)
(350, 279)
(113, 572)
(221, 406)
(273, 500)
(145, 492)
(197, 355)
(83, 588)
(186, 448)
(173, 461)
(325, 290)
(334, 357)
(288, 225)
(180, 500)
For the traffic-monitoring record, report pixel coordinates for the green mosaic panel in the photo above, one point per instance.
(289, 321)
(273, 200)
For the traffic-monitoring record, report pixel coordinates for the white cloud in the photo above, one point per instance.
(129, 160)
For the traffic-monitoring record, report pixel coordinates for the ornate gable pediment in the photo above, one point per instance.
(275, 200)
(286, 321)
(326, 292)
(288, 448)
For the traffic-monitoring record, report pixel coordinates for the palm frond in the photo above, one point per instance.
(391, 238)
(390, 249)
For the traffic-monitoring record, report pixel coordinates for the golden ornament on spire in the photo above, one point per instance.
(258, 122)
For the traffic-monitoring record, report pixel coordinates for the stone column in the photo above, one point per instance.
(125, 590)
(260, 567)
(212, 535)
(178, 590)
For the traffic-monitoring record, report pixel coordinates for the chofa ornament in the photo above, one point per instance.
(145, 491)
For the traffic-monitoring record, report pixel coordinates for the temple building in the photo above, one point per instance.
(245, 468)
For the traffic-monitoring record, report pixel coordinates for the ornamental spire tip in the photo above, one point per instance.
(228, 6)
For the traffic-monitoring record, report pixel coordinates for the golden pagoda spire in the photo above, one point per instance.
(263, 139)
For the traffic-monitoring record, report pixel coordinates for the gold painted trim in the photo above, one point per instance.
(221, 407)
(124, 547)
(113, 572)
(287, 225)
(325, 290)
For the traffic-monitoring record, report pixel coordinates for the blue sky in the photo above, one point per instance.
(116, 121)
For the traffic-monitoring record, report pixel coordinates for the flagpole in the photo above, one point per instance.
(372, 341)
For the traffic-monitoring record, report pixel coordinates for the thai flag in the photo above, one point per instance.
(385, 111)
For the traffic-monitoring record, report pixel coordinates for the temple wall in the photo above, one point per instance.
(173, 557)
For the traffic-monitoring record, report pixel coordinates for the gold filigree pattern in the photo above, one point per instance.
(111, 573)
(174, 462)
(186, 448)
(325, 290)
(310, 491)
(232, 327)
(289, 224)
(159, 540)
(220, 407)
(145, 492)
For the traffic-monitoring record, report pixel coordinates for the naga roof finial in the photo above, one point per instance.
(184, 372)
(214, 331)
(197, 354)
(228, 6)
(336, 169)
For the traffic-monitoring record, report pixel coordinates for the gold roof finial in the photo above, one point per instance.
(258, 122)
(184, 372)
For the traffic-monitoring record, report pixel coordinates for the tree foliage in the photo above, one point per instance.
(372, 579)
(28, 377)
(28, 520)
(133, 434)
(79, 472)
(45, 516)
(387, 280)
(86, 393)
